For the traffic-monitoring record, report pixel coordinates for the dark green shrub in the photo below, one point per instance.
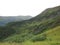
(5, 32)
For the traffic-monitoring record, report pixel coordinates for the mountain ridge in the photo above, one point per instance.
(26, 30)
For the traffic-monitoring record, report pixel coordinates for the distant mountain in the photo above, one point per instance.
(6, 19)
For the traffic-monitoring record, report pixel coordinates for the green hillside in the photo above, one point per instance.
(52, 35)
(48, 19)
(43, 28)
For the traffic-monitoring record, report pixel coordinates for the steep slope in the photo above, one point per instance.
(52, 35)
(48, 19)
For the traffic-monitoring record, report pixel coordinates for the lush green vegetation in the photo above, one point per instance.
(41, 30)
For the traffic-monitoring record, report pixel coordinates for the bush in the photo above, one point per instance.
(39, 38)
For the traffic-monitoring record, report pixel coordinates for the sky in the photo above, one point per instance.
(25, 7)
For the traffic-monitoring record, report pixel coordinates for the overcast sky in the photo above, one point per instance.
(25, 7)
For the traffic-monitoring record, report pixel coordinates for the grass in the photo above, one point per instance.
(6, 43)
(54, 34)
(32, 43)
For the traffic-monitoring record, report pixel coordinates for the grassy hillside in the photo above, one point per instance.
(54, 34)
(48, 19)
(51, 35)
(41, 30)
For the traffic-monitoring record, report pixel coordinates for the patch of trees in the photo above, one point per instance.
(5, 32)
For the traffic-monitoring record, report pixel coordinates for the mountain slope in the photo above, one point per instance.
(47, 19)
(25, 30)
(52, 35)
